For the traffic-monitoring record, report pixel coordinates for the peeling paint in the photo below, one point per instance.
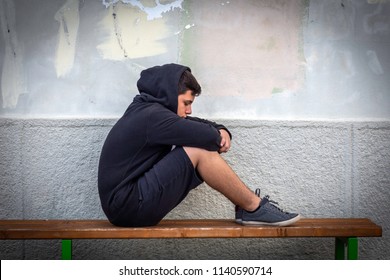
(156, 11)
(377, 22)
(12, 78)
(377, 1)
(276, 90)
(254, 58)
(127, 39)
(373, 63)
(263, 57)
(69, 19)
(188, 26)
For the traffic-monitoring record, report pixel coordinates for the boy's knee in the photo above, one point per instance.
(197, 154)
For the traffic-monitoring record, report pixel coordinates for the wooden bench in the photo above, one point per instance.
(345, 231)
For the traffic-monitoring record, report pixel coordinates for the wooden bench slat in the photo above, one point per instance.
(102, 229)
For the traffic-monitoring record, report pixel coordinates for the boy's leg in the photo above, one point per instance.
(164, 186)
(254, 210)
(219, 175)
(146, 201)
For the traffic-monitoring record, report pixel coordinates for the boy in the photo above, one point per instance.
(156, 153)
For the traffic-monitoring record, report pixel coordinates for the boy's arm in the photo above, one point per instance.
(169, 129)
(216, 125)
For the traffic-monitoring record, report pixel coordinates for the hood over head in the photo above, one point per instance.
(159, 84)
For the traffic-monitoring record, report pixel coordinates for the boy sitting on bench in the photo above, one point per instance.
(156, 153)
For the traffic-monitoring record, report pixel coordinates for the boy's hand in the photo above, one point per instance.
(225, 141)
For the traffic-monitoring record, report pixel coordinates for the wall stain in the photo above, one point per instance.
(118, 31)
(131, 34)
(153, 10)
(12, 78)
(69, 19)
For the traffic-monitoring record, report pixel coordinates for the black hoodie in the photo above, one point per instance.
(147, 131)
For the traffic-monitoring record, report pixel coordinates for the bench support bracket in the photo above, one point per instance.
(349, 244)
(66, 249)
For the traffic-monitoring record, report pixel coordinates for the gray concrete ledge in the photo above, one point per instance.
(319, 168)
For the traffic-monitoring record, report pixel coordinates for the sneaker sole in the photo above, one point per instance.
(277, 224)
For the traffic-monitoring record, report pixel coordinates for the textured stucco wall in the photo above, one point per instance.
(48, 170)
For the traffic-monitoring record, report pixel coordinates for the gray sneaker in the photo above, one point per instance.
(267, 214)
(239, 210)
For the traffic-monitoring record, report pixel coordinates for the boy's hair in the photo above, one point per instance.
(188, 82)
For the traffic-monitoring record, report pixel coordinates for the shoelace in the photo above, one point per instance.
(275, 204)
(272, 202)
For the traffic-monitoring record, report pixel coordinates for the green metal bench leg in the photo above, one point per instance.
(352, 248)
(66, 249)
(340, 250)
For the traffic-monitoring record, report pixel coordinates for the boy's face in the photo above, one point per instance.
(184, 102)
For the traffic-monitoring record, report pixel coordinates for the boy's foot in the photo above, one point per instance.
(268, 213)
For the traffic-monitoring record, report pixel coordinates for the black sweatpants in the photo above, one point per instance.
(158, 191)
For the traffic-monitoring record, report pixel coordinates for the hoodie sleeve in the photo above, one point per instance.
(167, 128)
(216, 125)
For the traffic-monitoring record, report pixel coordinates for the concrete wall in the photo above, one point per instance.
(303, 85)
(282, 59)
(318, 168)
